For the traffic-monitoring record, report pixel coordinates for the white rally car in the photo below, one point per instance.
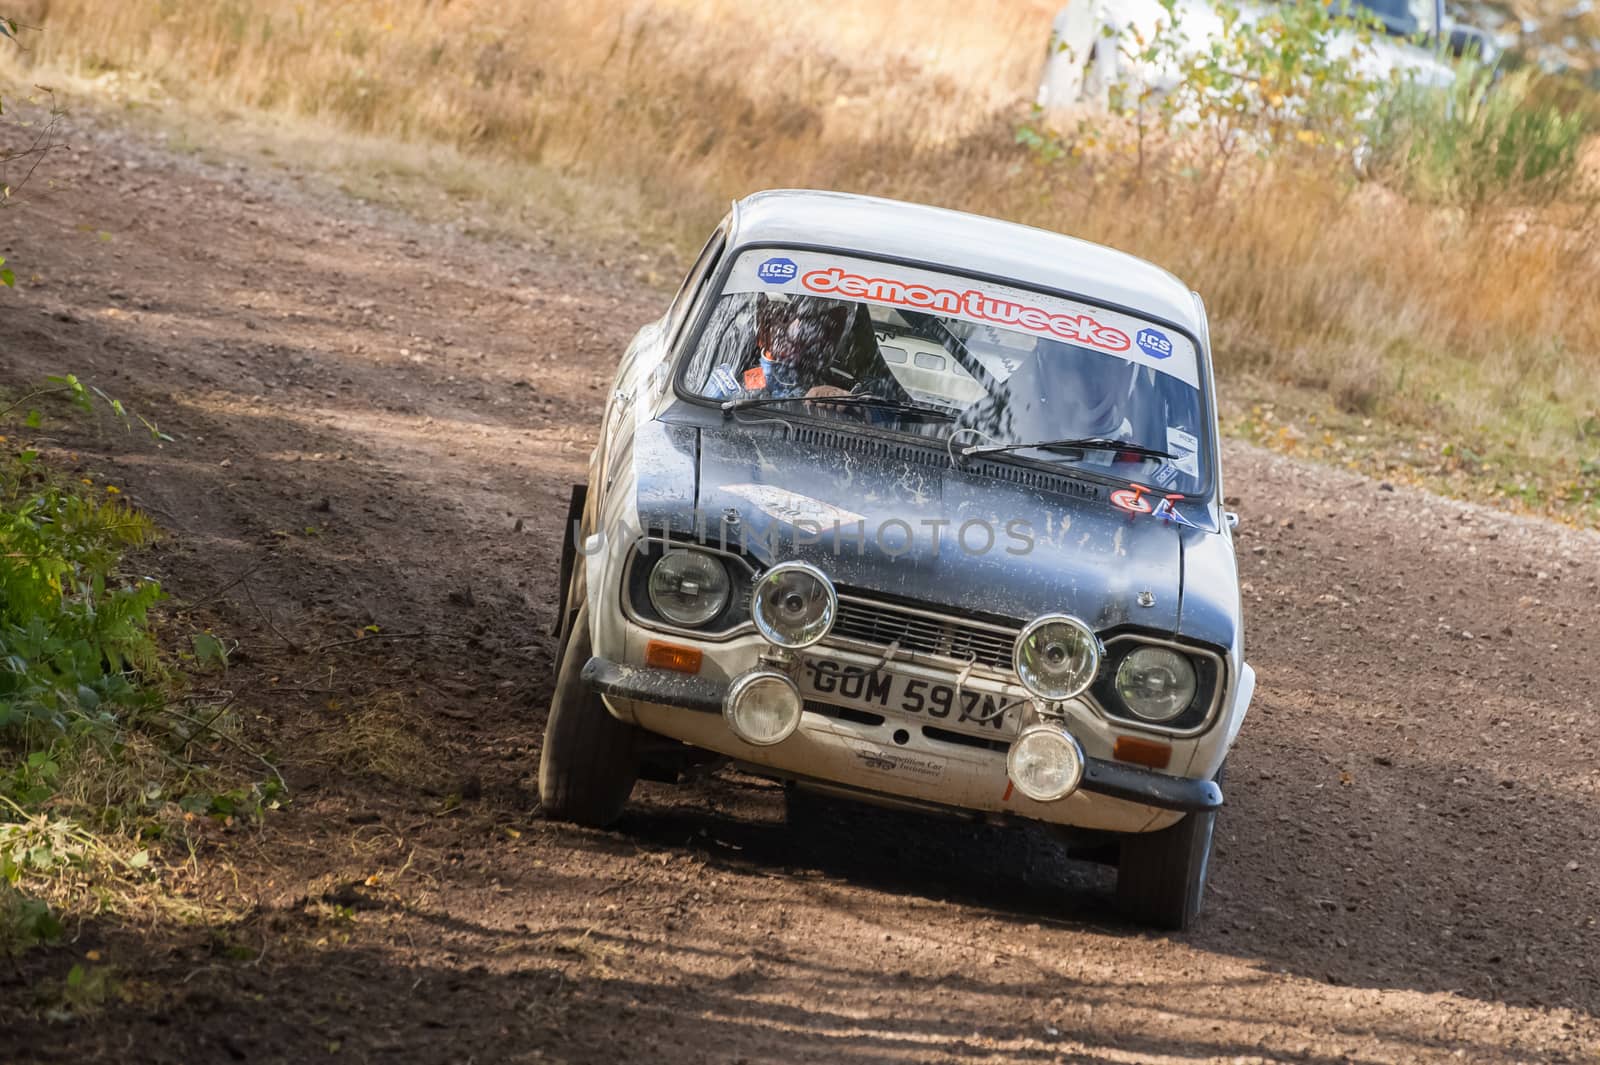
(921, 509)
(1089, 52)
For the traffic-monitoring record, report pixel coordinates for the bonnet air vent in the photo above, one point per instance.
(864, 445)
(935, 456)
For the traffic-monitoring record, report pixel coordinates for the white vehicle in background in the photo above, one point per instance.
(1090, 53)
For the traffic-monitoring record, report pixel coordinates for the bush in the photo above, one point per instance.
(1482, 140)
(73, 629)
(78, 665)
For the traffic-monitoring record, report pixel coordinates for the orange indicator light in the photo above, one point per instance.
(1142, 752)
(671, 656)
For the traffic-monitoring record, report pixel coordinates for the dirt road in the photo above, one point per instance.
(377, 420)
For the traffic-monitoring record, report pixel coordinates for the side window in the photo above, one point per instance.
(689, 296)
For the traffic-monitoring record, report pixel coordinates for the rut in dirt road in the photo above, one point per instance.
(379, 419)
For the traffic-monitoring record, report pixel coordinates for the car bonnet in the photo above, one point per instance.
(917, 530)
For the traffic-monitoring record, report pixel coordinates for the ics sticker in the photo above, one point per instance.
(1154, 343)
(778, 271)
(723, 378)
(755, 379)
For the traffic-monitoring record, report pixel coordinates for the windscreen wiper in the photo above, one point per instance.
(850, 400)
(1093, 443)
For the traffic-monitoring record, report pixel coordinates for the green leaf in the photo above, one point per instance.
(208, 650)
(75, 976)
(32, 420)
(155, 430)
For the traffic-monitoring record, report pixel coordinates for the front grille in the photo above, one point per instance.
(880, 624)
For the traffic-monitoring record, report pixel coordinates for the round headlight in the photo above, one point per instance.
(1156, 683)
(1057, 656)
(762, 708)
(793, 604)
(1045, 763)
(688, 587)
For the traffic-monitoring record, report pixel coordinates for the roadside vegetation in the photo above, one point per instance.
(1406, 289)
(119, 752)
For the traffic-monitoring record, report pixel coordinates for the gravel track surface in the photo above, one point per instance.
(378, 419)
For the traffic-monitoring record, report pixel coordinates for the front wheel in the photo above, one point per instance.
(590, 760)
(1161, 876)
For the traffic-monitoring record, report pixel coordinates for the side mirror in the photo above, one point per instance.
(1232, 518)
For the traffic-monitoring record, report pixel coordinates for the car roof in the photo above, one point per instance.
(964, 243)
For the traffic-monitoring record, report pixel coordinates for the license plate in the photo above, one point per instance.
(970, 711)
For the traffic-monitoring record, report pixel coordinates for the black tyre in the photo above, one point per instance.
(590, 760)
(1161, 876)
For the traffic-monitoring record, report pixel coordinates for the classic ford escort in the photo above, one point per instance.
(917, 508)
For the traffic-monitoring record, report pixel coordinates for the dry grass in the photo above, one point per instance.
(383, 738)
(678, 93)
(1482, 331)
(90, 849)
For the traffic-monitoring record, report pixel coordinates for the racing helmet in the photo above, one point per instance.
(810, 332)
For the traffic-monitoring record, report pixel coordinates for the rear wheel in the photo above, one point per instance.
(590, 760)
(1161, 876)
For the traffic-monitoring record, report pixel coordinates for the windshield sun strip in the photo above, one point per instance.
(690, 337)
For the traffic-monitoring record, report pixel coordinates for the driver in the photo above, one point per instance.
(801, 348)
(798, 341)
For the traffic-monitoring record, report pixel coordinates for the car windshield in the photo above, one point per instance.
(1396, 15)
(962, 362)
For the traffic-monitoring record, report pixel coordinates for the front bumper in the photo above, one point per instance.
(1101, 777)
